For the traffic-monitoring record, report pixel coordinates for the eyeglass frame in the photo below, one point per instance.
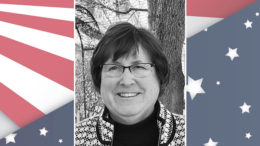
(130, 67)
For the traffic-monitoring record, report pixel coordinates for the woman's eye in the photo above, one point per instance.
(114, 68)
(139, 67)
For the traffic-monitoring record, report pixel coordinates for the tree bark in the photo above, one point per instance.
(166, 20)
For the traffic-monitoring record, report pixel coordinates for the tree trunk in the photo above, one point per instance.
(166, 20)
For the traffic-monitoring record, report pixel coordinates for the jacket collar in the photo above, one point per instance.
(165, 122)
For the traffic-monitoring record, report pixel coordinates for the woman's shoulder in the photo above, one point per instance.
(177, 121)
(91, 121)
(179, 137)
(85, 132)
(180, 119)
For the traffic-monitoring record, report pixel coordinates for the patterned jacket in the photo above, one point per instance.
(98, 130)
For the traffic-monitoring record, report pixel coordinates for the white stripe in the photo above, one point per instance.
(52, 43)
(196, 24)
(48, 12)
(7, 125)
(43, 93)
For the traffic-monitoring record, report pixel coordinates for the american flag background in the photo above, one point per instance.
(204, 13)
(36, 61)
(54, 129)
(223, 82)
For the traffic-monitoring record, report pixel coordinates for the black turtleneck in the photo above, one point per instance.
(144, 133)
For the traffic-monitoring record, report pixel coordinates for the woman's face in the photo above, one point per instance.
(130, 99)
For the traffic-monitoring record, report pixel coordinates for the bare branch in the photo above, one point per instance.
(87, 29)
(130, 16)
(88, 49)
(121, 12)
(79, 7)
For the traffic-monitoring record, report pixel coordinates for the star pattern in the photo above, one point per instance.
(43, 131)
(248, 135)
(232, 53)
(222, 78)
(248, 24)
(245, 108)
(193, 92)
(194, 87)
(211, 143)
(47, 131)
(10, 138)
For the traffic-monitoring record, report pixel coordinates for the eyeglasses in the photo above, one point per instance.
(138, 70)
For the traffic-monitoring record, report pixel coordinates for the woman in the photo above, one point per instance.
(130, 72)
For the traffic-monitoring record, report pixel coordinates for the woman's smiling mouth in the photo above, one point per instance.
(128, 94)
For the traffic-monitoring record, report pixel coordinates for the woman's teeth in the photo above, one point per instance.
(127, 94)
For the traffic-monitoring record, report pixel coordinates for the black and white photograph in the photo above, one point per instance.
(129, 73)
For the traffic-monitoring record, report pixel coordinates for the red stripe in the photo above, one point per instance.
(60, 27)
(48, 3)
(16, 108)
(215, 8)
(51, 66)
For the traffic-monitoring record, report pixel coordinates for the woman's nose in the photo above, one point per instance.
(127, 78)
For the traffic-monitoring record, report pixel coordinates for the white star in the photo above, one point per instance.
(194, 87)
(60, 140)
(232, 53)
(245, 108)
(218, 82)
(10, 138)
(248, 24)
(43, 131)
(248, 135)
(206, 29)
(257, 13)
(211, 143)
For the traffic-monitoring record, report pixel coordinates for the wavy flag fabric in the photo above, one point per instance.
(54, 129)
(223, 82)
(36, 60)
(201, 14)
(37, 70)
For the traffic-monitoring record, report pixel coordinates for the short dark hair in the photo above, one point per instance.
(121, 40)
